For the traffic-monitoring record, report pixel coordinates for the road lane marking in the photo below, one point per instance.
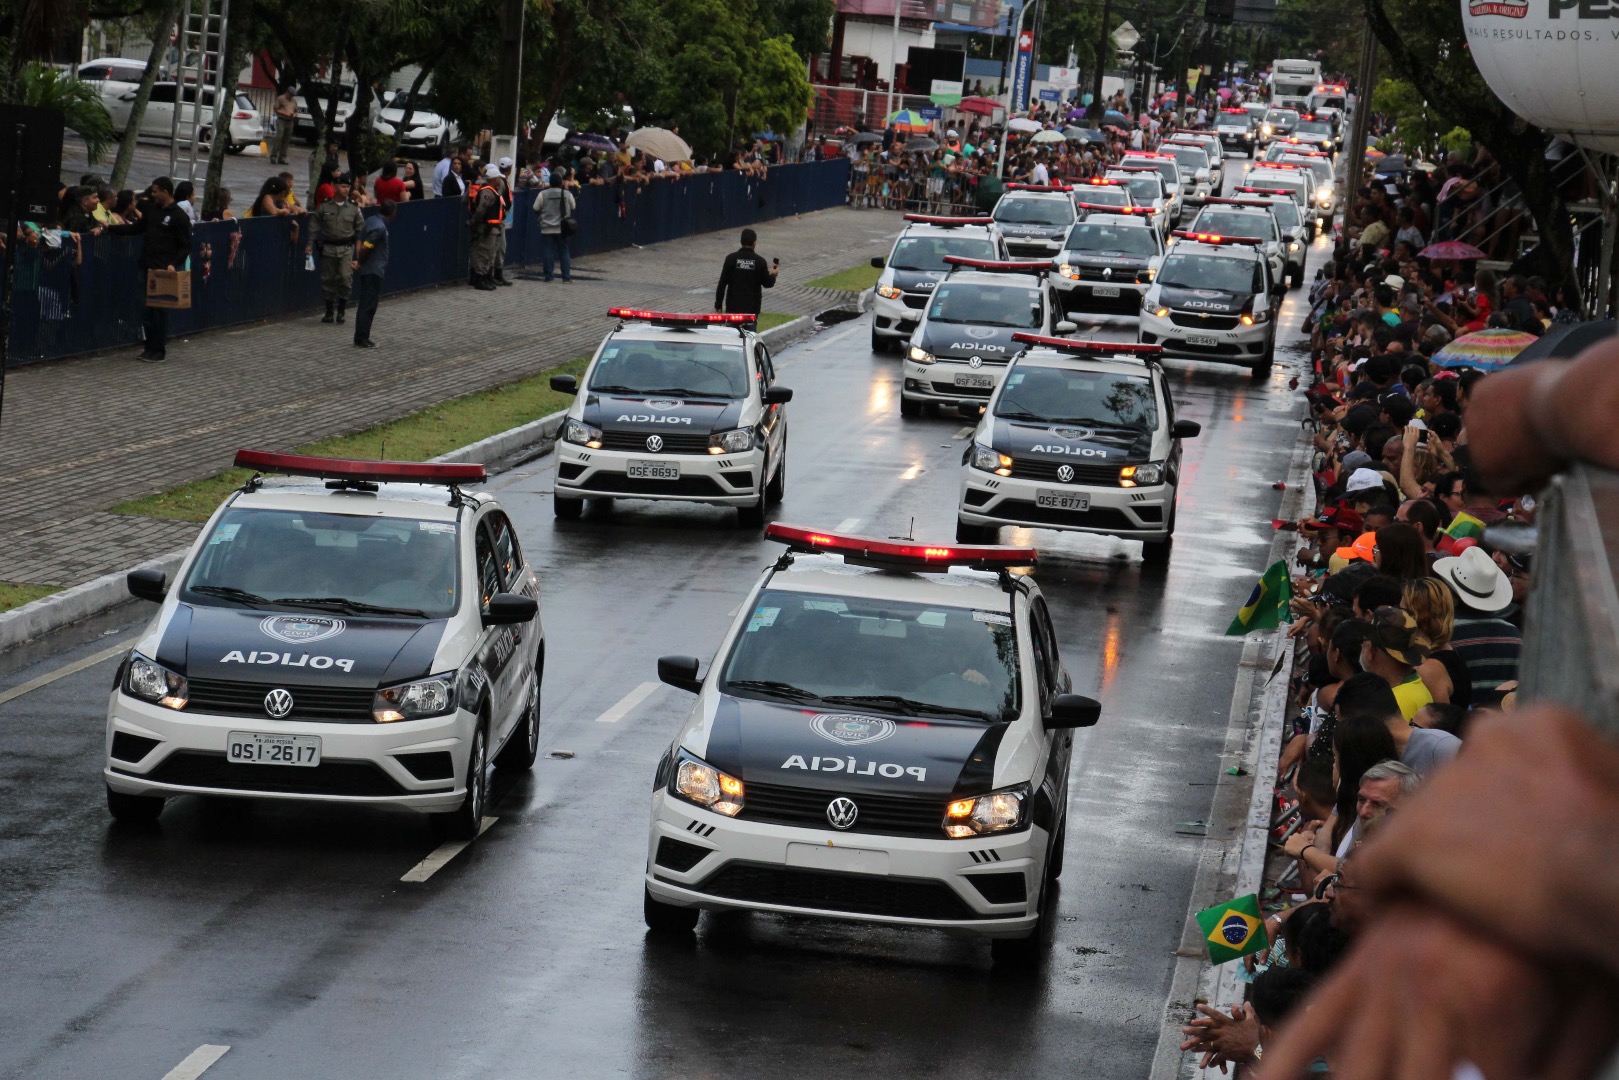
(197, 1062)
(627, 702)
(846, 524)
(442, 855)
(63, 672)
(963, 433)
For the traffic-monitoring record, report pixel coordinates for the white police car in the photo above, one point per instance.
(1244, 217)
(364, 632)
(957, 354)
(1235, 127)
(916, 264)
(1107, 263)
(1080, 436)
(1213, 299)
(1107, 196)
(1034, 218)
(1213, 149)
(1195, 168)
(1176, 188)
(678, 407)
(1146, 190)
(1296, 226)
(884, 735)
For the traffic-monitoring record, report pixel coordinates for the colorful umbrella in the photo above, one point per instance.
(1486, 350)
(1224, 92)
(1023, 123)
(982, 106)
(1454, 250)
(910, 120)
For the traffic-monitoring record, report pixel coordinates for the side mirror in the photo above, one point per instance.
(150, 585)
(877, 262)
(1067, 326)
(776, 395)
(680, 671)
(1073, 711)
(506, 609)
(1186, 429)
(565, 384)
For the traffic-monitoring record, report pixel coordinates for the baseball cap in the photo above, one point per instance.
(951, 134)
(1362, 479)
(1394, 630)
(1360, 549)
(491, 170)
(339, 176)
(1356, 460)
(1336, 516)
(505, 164)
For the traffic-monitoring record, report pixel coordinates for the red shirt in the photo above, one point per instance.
(389, 189)
(322, 193)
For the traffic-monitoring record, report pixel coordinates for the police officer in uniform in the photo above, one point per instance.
(487, 218)
(335, 226)
(743, 279)
(503, 189)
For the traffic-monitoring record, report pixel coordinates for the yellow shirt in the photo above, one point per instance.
(1412, 695)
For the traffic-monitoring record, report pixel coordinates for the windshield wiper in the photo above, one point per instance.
(1094, 422)
(685, 392)
(897, 703)
(1022, 416)
(614, 388)
(773, 688)
(231, 592)
(351, 607)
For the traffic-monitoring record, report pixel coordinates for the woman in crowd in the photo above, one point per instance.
(1398, 552)
(1431, 603)
(270, 201)
(455, 181)
(411, 177)
(218, 208)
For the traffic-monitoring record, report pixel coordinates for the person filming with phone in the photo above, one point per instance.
(743, 279)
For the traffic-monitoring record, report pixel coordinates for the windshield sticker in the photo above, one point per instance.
(225, 534)
(443, 528)
(931, 618)
(994, 618)
(765, 616)
(609, 352)
(301, 629)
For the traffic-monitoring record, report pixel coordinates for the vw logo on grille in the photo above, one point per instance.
(1065, 473)
(842, 812)
(654, 443)
(278, 704)
(975, 362)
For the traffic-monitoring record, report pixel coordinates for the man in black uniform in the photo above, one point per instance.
(167, 246)
(743, 279)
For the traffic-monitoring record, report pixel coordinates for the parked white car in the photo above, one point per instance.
(428, 130)
(157, 122)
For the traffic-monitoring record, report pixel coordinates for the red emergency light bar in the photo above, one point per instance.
(679, 318)
(1280, 165)
(1263, 191)
(402, 472)
(1133, 168)
(1038, 187)
(929, 219)
(1098, 181)
(1216, 238)
(1079, 346)
(1145, 153)
(1241, 202)
(1000, 266)
(1244, 112)
(1104, 208)
(1302, 153)
(899, 554)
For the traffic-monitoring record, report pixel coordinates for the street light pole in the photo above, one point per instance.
(893, 64)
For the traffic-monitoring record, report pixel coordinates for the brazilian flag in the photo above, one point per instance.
(1267, 604)
(1234, 929)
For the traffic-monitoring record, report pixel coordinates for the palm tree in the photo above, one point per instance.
(78, 102)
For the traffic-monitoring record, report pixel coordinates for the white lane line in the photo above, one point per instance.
(846, 524)
(63, 672)
(196, 1063)
(963, 433)
(442, 855)
(628, 702)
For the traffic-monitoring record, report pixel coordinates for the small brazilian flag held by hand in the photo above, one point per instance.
(1267, 604)
(1233, 929)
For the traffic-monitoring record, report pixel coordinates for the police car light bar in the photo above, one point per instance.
(1217, 238)
(995, 266)
(1100, 182)
(1242, 202)
(928, 219)
(1038, 187)
(1106, 209)
(1244, 112)
(1257, 191)
(1146, 154)
(677, 318)
(899, 554)
(1079, 346)
(402, 472)
(1133, 168)
(1283, 164)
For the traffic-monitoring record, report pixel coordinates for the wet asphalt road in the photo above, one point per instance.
(285, 933)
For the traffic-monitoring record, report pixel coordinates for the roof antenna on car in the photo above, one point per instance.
(909, 529)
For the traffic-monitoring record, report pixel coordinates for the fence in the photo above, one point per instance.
(84, 298)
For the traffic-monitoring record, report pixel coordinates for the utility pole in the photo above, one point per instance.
(1363, 115)
(509, 84)
(1097, 108)
(893, 64)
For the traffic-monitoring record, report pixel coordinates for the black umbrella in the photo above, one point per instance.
(866, 137)
(1564, 341)
(920, 146)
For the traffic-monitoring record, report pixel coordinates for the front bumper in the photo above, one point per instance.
(1140, 513)
(896, 318)
(1239, 142)
(1241, 345)
(168, 752)
(1033, 247)
(936, 382)
(717, 479)
(735, 864)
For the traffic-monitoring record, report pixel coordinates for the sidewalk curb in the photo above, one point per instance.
(498, 453)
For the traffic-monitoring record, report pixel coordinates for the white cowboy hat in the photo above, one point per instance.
(1476, 580)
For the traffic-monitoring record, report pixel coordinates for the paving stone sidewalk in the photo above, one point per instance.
(80, 436)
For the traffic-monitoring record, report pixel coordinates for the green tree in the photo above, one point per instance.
(776, 92)
(807, 22)
(162, 29)
(705, 74)
(79, 103)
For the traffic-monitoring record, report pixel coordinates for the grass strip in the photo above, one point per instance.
(16, 593)
(855, 279)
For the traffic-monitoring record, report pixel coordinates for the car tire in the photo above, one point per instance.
(753, 516)
(1022, 954)
(134, 809)
(523, 746)
(909, 408)
(668, 919)
(1054, 860)
(776, 489)
(1261, 367)
(233, 147)
(463, 822)
(567, 509)
(968, 533)
(879, 344)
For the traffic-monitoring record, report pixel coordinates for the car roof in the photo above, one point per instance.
(1102, 217)
(958, 587)
(1066, 196)
(1197, 247)
(917, 228)
(422, 501)
(1117, 365)
(719, 333)
(990, 277)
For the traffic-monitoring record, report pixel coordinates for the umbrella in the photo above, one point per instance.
(1564, 341)
(1485, 350)
(594, 142)
(1113, 116)
(1023, 123)
(1372, 153)
(910, 120)
(982, 106)
(1085, 135)
(919, 146)
(1453, 250)
(1425, 166)
(1224, 93)
(866, 137)
(1049, 135)
(661, 143)
(1393, 163)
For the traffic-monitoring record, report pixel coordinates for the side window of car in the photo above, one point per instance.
(163, 93)
(507, 552)
(767, 373)
(488, 566)
(1046, 643)
(94, 72)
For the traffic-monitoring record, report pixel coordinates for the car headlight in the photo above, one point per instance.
(697, 781)
(999, 811)
(432, 696)
(888, 292)
(582, 434)
(734, 441)
(1162, 313)
(1292, 245)
(1148, 273)
(1265, 130)
(1068, 271)
(1142, 475)
(919, 355)
(990, 460)
(151, 681)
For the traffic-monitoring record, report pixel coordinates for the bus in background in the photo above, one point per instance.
(1292, 82)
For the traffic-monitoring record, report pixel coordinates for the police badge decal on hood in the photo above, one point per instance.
(952, 341)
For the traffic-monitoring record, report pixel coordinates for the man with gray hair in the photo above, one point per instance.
(1382, 787)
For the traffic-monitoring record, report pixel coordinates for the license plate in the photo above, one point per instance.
(976, 380)
(1104, 290)
(1202, 339)
(838, 859)
(1061, 500)
(256, 748)
(654, 470)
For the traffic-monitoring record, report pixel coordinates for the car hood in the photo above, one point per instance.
(1013, 230)
(1211, 301)
(299, 649)
(419, 117)
(1070, 443)
(958, 341)
(661, 415)
(1100, 258)
(851, 750)
(916, 280)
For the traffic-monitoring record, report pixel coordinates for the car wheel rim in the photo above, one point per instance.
(476, 780)
(534, 719)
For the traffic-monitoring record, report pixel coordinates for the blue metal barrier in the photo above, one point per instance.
(86, 296)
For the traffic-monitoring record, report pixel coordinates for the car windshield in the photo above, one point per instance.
(986, 305)
(1282, 116)
(1234, 120)
(1019, 210)
(884, 655)
(1314, 127)
(1286, 213)
(1112, 239)
(1062, 395)
(1144, 189)
(1235, 223)
(1222, 272)
(1166, 169)
(673, 367)
(1190, 158)
(349, 563)
(928, 252)
(1106, 195)
(1290, 182)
